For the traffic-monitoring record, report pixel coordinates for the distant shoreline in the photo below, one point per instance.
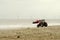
(14, 27)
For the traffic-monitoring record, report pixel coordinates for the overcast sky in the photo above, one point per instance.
(48, 9)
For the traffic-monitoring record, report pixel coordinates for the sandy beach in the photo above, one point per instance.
(42, 33)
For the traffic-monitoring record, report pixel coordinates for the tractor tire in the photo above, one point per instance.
(45, 24)
(42, 24)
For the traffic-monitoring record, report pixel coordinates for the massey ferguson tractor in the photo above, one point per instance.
(40, 23)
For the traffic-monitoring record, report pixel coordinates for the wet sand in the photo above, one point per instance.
(42, 33)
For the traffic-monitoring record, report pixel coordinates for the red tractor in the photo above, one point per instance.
(40, 23)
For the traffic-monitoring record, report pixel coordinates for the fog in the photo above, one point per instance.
(29, 9)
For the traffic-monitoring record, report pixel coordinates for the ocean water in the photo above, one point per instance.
(24, 23)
